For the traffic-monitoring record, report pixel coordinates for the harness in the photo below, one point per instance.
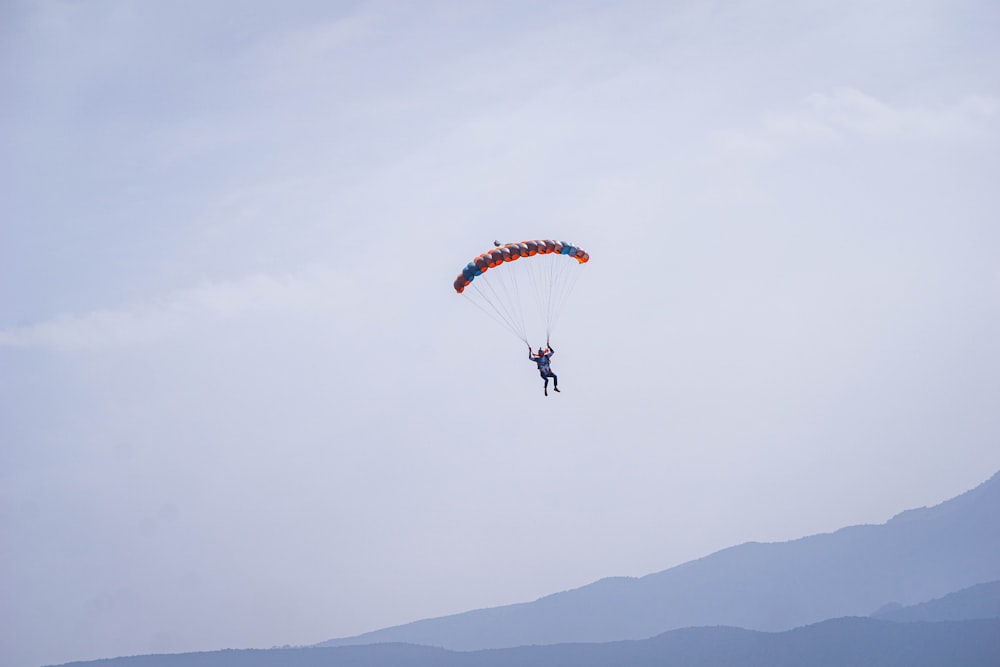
(543, 363)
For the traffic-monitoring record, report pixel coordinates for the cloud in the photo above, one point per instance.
(844, 114)
(313, 289)
(305, 54)
(850, 111)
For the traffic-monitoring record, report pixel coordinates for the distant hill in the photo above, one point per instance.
(980, 601)
(916, 556)
(837, 643)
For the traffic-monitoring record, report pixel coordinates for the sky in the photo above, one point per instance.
(241, 405)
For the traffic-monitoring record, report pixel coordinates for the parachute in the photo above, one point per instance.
(523, 286)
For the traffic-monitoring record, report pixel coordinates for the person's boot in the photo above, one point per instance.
(556, 388)
(546, 391)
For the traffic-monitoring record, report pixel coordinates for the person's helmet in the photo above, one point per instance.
(541, 351)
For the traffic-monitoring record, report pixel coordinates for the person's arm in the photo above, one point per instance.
(552, 350)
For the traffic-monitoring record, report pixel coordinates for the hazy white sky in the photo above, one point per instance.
(241, 405)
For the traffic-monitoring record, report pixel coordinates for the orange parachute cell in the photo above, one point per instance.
(510, 252)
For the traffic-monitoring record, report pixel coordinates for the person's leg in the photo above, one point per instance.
(546, 386)
(555, 382)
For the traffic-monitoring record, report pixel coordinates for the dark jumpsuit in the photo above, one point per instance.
(543, 366)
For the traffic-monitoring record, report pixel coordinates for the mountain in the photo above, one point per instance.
(918, 555)
(980, 601)
(835, 643)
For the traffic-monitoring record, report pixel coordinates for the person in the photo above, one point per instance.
(544, 369)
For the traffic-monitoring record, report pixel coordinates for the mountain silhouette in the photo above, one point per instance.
(834, 643)
(918, 555)
(979, 601)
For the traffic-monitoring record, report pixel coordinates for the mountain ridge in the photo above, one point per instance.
(917, 555)
(834, 642)
(979, 601)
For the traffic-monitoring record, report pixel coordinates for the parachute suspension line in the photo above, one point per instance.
(545, 277)
(509, 282)
(505, 305)
(557, 270)
(552, 305)
(517, 301)
(495, 314)
(535, 278)
(563, 283)
(550, 279)
(504, 301)
(501, 290)
(479, 298)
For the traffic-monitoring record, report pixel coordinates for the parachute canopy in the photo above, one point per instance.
(526, 296)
